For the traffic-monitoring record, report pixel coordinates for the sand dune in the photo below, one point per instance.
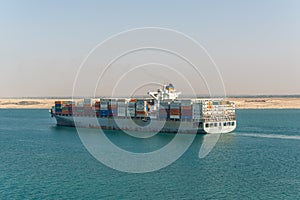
(241, 103)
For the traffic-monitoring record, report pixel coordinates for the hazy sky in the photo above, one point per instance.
(256, 44)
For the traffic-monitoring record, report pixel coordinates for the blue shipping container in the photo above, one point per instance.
(163, 116)
(186, 117)
(103, 113)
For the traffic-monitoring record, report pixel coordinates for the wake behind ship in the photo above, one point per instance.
(163, 111)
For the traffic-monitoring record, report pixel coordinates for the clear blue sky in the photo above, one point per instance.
(255, 43)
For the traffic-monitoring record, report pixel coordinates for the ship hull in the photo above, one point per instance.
(145, 125)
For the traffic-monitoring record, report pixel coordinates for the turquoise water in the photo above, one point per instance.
(260, 160)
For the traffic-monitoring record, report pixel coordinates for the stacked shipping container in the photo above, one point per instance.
(103, 107)
(78, 110)
(164, 110)
(121, 108)
(197, 110)
(131, 108)
(87, 107)
(175, 110)
(64, 107)
(186, 109)
(96, 108)
(58, 107)
(112, 108)
(141, 108)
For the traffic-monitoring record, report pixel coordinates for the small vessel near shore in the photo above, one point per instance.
(163, 112)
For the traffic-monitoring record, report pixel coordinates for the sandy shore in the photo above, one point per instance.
(266, 103)
(241, 103)
(28, 103)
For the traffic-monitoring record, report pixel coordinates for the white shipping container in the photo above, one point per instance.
(121, 104)
(130, 114)
(197, 110)
(121, 111)
(174, 116)
(141, 109)
(103, 107)
(131, 104)
(130, 111)
(141, 105)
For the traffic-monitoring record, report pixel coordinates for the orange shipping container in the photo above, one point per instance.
(174, 112)
(65, 112)
(186, 107)
(140, 112)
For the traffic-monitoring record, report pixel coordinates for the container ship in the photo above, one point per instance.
(163, 111)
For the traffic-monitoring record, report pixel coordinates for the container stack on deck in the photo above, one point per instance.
(121, 108)
(64, 107)
(96, 108)
(197, 110)
(152, 110)
(186, 109)
(87, 107)
(58, 107)
(112, 108)
(131, 108)
(141, 108)
(168, 110)
(103, 108)
(65, 110)
(78, 110)
(175, 110)
(164, 110)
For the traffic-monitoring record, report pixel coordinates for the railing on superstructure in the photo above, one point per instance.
(219, 118)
